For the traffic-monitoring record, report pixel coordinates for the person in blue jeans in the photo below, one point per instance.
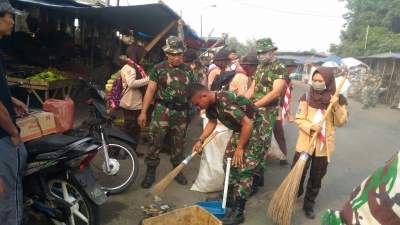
(12, 151)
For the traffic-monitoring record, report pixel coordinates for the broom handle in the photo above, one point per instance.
(187, 159)
(311, 147)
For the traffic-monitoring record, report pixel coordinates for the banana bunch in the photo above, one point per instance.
(111, 81)
(48, 75)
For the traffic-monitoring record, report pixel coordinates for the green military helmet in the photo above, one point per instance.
(265, 45)
(174, 45)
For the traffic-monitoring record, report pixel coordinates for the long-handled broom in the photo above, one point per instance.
(281, 207)
(163, 184)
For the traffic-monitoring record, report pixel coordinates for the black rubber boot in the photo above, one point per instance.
(237, 214)
(181, 179)
(150, 177)
(309, 212)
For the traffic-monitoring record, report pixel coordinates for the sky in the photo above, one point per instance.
(293, 25)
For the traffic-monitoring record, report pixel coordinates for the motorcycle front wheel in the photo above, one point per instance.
(123, 167)
(83, 210)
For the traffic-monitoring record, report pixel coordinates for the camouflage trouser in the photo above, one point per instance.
(166, 121)
(242, 178)
(375, 202)
(269, 116)
(369, 97)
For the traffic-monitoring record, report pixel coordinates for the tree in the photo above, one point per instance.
(242, 49)
(383, 19)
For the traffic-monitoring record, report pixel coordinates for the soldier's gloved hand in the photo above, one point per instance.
(237, 160)
(197, 147)
(142, 120)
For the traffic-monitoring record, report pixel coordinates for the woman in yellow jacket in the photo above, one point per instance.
(311, 109)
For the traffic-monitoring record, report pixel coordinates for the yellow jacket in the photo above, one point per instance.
(304, 120)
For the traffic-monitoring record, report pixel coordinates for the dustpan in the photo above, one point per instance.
(218, 208)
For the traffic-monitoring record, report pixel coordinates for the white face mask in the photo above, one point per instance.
(318, 86)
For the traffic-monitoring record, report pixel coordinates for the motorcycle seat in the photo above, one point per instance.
(49, 143)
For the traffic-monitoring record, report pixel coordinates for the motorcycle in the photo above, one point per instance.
(116, 166)
(59, 183)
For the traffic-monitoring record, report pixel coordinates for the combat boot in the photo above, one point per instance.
(150, 177)
(180, 178)
(236, 216)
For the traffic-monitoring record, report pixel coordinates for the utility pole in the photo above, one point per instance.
(366, 38)
(201, 26)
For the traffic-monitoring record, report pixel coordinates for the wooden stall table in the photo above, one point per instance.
(65, 86)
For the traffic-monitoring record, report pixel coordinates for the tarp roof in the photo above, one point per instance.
(332, 58)
(351, 62)
(299, 59)
(147, 20)
(67, 4)
(387, 55)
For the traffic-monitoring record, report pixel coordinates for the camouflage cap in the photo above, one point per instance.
(265, 45)
(174, 45)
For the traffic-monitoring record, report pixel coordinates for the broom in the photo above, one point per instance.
(163, 184)
(282, 204)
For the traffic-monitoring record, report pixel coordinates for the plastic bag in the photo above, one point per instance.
(275, 151)
(211, 172)
(63, 111)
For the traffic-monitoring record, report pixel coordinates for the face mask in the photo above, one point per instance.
(317, 86)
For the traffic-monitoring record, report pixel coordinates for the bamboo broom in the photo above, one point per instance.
(282, 204)
(163, 184)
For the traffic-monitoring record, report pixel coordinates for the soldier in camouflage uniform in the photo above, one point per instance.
(245, 148)
(375, 202)
(369, 92)
(269, 82)
(170, 82)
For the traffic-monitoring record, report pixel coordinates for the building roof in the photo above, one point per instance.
(387, 55)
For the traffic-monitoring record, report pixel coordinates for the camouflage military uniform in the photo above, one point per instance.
(264, 79)
(369, 95)
(374, 202)
(171, 110)
(230, 109)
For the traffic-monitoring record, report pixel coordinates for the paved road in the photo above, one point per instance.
(366, 142)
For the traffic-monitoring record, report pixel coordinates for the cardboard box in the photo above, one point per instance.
(36, 125)
(46, 122)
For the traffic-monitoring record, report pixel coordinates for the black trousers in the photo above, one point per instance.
(318, 170)
(131, 126)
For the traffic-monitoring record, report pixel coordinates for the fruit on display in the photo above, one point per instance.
(48, 75)
(110, 82)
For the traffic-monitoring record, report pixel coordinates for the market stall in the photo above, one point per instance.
(81, 40)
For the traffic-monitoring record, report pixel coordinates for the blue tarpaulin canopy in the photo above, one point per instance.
(332, 58)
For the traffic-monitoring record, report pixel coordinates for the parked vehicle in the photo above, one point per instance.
(59, 182)
(117, 165)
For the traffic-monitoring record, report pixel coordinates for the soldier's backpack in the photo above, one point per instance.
(222, 81)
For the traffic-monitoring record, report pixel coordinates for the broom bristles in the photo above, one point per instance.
(163, 184)
(282, 204)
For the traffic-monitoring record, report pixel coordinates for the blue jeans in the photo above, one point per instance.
(12, 167)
